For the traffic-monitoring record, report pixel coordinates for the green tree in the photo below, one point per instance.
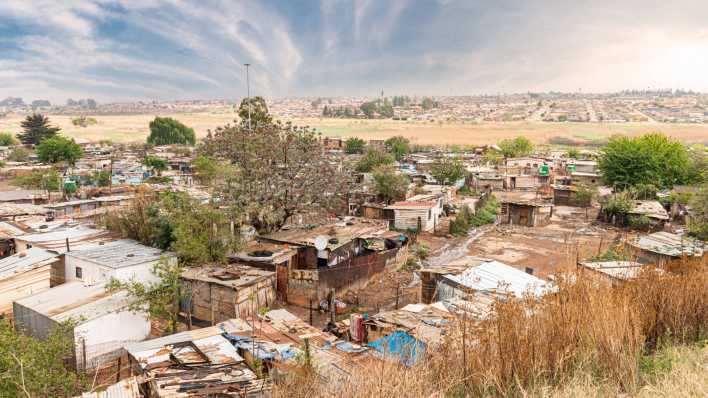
(698, 165)
(447, 171)
(354, 145)
(493, 157)
(698, 225)
(49, 180)
(643, 191)
(18, 154)
(372, 159)
(388, 184)
(369, 109)
(399, 146)
(59, 149)
(168, 131)
(155, 164)
(648, 159)
(102, 178)
(428, 104)
(584, 195)
(198, 233)
(518, 147)
(37, 368)
(36, 128)
(573, 153)
(207, 168)
(7, 139)
(258, 111)
(277, 170)
(160, 299)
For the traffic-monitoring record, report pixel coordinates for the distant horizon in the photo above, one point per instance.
(61, 102)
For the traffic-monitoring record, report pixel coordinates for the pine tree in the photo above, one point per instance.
(36, 128)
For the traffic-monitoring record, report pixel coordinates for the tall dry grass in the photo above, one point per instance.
(586, 330)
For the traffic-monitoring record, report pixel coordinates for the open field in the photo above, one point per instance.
(132, 128)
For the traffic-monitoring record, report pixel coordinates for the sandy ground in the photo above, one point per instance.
(134, 128)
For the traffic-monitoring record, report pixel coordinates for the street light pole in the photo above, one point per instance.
(248, 96)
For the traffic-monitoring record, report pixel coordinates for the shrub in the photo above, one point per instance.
(639, 221)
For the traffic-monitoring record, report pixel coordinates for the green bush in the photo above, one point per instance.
(639, 221)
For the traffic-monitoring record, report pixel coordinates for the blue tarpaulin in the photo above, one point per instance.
(401, 346)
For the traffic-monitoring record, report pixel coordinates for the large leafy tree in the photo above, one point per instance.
(388, 184)
(447, 171)
(648, 159)
(59, 149)
(257, 111)
(7, 139)
(519, 146)
(278, 170)
(372, 159)
(37, 368)
(168, 131)
(36, 128)
(198, 233)
(399, 147)
(354, 145)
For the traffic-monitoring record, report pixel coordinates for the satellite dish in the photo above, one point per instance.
(321, 242)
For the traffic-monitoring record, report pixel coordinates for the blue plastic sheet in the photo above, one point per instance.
(400, 346)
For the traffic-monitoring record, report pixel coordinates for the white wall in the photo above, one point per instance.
(94, 273)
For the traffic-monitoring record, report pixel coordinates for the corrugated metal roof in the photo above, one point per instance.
(63, 234)
(616, 269)
(127, 388)
(119, 254)
(499, 277)
(229, 326)
(18, 209)
(650, 208)
(20, 194)
(670, 244)
(22, 261)
(74, 300)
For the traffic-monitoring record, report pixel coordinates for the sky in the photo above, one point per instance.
(127, 50)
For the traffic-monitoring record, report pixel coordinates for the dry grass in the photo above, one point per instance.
(133, 128)
(587, 339)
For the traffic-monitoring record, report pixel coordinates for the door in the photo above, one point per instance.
(281, 274)
(524, 213)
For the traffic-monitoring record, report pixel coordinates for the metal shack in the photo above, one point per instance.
(416, 215)
(527, 214)
(662, 247)
(233, 291)
(103, 321)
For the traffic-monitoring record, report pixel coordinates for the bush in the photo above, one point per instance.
(18, 154)
(639, 221)
(7, 139)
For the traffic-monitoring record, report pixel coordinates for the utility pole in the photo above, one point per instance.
(248, 95)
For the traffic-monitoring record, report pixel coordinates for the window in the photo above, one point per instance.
(430, 212)
(79, 273)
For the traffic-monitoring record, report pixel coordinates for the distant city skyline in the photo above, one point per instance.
(123, 50)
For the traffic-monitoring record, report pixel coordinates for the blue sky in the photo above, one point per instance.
(115, 50)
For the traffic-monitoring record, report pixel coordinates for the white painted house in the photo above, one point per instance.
(103, 321)
(411, 214)
(122, 259)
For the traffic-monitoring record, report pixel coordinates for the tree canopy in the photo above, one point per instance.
(7, 139)
(388, 184)
(372, 159)
(399, 146)
(699, 216)
(37, 368)
(59, 149)
(648, 159)
(258, 111)
(354, 145)
(278, 170)
(447, 171)
(36, 128)
(18, 154)
(206, 167)
(198, 233)
(49, 180)
(156, 164)
(168, 131)
(519, 146)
